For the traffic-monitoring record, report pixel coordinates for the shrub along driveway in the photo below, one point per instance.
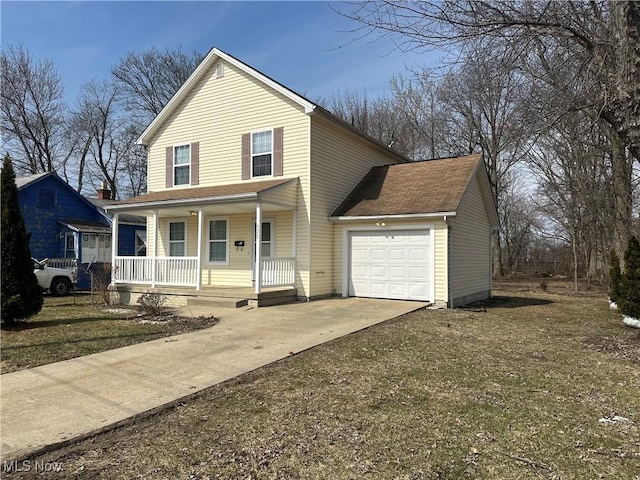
(529, 388)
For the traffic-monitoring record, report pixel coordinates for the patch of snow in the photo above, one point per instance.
(125, 311)
(613, 305)
(151, 322)
(631, 322)
(614, 419)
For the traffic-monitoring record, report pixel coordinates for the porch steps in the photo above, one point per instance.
(220, 297)
(220, 302)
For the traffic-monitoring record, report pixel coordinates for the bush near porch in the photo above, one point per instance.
(535, 384)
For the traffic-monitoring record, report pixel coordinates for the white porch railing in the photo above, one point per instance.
(177, 271)
(182, 271)
(278, 271)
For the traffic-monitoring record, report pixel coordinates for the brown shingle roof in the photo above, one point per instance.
(411, 188)
(204, 192)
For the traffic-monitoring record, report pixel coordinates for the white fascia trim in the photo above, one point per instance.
(187, 201)
(409, 216)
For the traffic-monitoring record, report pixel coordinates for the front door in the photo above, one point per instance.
(267, 243)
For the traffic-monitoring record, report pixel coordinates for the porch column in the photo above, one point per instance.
(199, 260)
(258, 241)
(114, 245)
(154, 259)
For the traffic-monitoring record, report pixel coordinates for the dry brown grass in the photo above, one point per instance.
(69, 327)
(514, 389)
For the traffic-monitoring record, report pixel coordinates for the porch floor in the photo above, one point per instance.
(227, 295)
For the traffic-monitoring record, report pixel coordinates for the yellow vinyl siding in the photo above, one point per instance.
(470, 247)
(440, 263)
(240, 227)
(216, 113)
(339, 161)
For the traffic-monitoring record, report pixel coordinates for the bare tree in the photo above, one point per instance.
(378, 118)
(488, 103)
(426, 118)
(148, 80)
(31, 111)
(105, 141)
(594, 45)
(573, 164)
(518, 221)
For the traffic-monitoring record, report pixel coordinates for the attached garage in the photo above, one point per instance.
(395, 264)
(418, 231)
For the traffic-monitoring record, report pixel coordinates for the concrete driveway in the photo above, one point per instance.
(66, 400)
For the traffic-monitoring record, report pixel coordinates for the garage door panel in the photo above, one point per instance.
(387, 264)
(416, 254)
(378, 289)
(397, 273)
(378, 271)
(379, 254)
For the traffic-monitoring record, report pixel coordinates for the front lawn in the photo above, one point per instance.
(69, 327)
(537, 385)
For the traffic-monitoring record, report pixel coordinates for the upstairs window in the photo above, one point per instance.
(262, 154)
(182, 165)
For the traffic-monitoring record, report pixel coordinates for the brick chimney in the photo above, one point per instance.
(104, 193)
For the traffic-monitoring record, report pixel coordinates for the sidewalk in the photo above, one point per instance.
(61, 401)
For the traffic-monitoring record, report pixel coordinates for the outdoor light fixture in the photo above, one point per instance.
(193, 213)
(381, 224)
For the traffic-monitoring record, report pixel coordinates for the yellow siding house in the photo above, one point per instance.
(234, 149)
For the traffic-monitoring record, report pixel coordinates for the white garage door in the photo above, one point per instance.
(391, 264)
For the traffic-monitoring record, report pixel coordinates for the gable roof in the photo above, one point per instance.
(22, 182)
(28, 180)
(216, 54)
(212, 57)
(432, 187)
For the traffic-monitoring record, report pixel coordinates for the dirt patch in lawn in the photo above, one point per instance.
(510, 389)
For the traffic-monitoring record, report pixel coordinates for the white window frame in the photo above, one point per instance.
(169, 241)
(252, 155)
(182, 165)
(73, 245)
(209, 241)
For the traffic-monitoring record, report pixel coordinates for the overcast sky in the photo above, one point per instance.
(304, 45)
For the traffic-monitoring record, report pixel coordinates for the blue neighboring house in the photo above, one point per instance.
(66, 225)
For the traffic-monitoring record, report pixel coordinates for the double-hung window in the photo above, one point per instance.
(218, 245)
(262, 153)
(182, 165)
(177, 239)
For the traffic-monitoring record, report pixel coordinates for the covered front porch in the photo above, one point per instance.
(206, 239)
